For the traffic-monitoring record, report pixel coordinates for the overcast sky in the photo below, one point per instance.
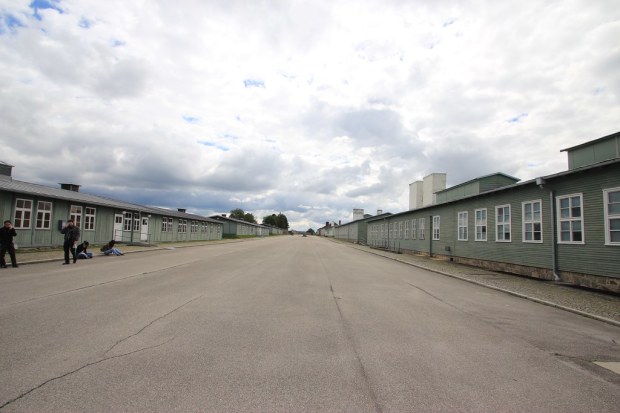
(309, 108)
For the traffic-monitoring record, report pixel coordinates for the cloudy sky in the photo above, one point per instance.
(309, 108)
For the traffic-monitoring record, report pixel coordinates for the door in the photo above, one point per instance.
(118, 227)
(144, 231)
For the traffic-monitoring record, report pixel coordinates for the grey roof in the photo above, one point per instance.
(613, 135)
(223, 218)
(367, 219)
(480, 178)
(28, 188)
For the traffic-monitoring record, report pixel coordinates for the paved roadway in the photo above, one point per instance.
(288, 324)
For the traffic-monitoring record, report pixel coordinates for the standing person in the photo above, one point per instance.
(72, 234)
(82, 251)
(7, 232)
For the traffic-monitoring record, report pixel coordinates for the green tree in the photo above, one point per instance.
(237, 213)
(310, 231)
(279, 221)
(270, 220)
(249, 217)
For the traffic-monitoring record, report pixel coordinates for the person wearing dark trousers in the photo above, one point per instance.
(7, 232)
(72, 235)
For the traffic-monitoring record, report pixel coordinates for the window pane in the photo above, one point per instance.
(576, 212)
(614, 224)
(614, 196)
(576, 201)
(615, 236)
(577, 236)
(565, 226)
(576, 225)
(614, 208)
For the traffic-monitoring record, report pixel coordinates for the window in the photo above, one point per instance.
(89, 218)
(413, 229)
(203, 227)
(164, 224)
(481, 224)
(436, 227)
(136, 222)
(462, 222)
(182, 225)
(407, 229)
(23, 213)
(570, 219)
(76, 215)
(502, 223)
(194, 227)
(400, 230)
(532, 221)
(612, 216)
(44, 215)
(422, 224)
(127, 221)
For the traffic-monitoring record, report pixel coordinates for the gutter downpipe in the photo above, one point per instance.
(430, 238)
(541, 182)
(554, 254)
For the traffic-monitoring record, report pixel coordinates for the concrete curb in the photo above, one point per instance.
(527, 297)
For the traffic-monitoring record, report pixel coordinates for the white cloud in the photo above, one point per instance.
(306, 108)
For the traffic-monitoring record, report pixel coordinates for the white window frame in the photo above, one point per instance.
(463, 223)
(503, 223)
(571, 220)
(75, 213)
(400, 230)
(407, 229)
(422, 228)
(44, 215)
(610, 216)
(23, 214)
(436, 227)
(182, 226)
(127, 219)
(414, 229)
(164, 224)
(480, 224)
(136, 222)
(89, 218)
(194, 226)
(532, 221)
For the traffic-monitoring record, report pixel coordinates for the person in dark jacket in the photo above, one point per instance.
(72, 235)
(7, 232)
(82, 251)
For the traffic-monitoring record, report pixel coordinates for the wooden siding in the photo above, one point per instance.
(594, 153)
(592, 257)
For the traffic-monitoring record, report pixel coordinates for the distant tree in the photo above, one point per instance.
(270, 220)
(237, 213)
(249, 217)
(282, 221)
(310, 231)
(279, 221)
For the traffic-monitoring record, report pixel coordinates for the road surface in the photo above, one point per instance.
(288, 324)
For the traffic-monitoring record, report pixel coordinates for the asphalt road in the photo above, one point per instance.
(288, 324)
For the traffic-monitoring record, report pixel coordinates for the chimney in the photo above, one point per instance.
(181, 209)
(70, 187)
(5, 170)
(379, 211)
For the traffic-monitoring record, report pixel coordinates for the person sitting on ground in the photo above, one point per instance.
(108, 249)
(82, 251)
